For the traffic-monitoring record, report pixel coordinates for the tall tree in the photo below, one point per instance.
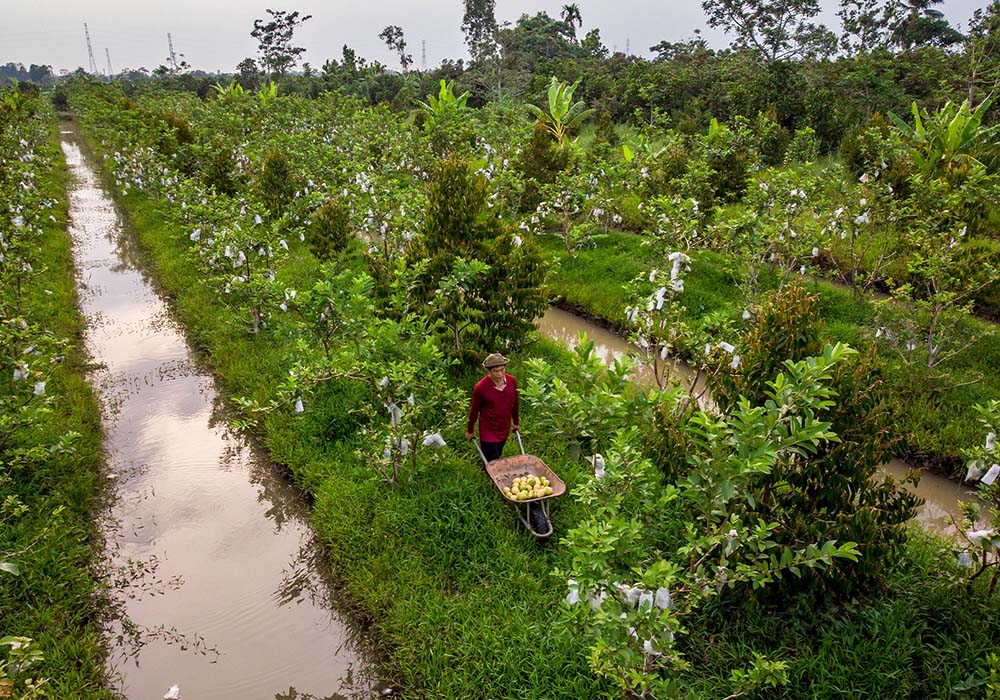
(983, 50)
(479, 24)
(774, 29)
(393, 38)
(922, 25)
(248, 73)
(571, 16)
(867, 24)
(274, 40)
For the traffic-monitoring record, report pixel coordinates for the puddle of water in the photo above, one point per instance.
(940, 495)
(237, 565)
(566, 328)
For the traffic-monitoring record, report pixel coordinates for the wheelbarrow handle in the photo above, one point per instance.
(480, 449)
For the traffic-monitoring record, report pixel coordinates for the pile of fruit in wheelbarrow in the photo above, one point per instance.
(529, 483)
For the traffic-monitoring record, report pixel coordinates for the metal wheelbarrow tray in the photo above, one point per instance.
(502, 473)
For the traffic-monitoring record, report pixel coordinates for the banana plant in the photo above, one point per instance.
(233, 91)
(267, 93)
(563, 113)
(446, 101)
(947, 142)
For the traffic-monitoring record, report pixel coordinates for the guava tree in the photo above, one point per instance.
(648, 554)
(656, 321)
(863, 233)
(838, 491)
(589, 403)
(979, 526)
(383, 346)
(928, 321)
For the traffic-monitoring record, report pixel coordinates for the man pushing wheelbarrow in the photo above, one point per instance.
(523, 478)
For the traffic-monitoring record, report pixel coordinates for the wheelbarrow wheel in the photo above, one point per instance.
(539, 523)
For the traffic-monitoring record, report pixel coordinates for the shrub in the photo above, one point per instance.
(218, 166)
(730, 159)
(330, 231)
(803, 148)
(770, 138)
(485, 310)
(540, 163)
(605, 131)
(275, 183)
(875, 147)
(60, 100)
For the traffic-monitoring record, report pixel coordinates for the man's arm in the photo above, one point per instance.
(474, 407)
(515, 413)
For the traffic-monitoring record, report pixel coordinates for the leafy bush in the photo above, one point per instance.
(540, 163)
(876, 147)
(500, 297)
(275, 184)
(218, 166)
(729, 158)
(803, 148)
(330, 231)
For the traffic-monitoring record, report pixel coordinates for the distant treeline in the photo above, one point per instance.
(31, 74)
(827, 83)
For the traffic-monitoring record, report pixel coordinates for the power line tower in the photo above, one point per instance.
(90, 50)
(107, 54)
(173, 56)
(628, 49)
(423, 53)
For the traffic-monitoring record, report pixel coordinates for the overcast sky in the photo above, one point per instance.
(214, 35)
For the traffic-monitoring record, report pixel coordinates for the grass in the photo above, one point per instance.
(55, 600)
(936, 425)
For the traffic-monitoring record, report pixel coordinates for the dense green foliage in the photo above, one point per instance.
(345, 379)
(50, 443)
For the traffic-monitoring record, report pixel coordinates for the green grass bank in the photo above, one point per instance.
(57, 600)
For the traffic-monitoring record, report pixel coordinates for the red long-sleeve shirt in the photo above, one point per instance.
(495, 409)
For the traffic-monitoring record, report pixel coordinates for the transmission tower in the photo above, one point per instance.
(173, 56)
(90, 50)
(628, 50)
(423, 53)
(107, 54)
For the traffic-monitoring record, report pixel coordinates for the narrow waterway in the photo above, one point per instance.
(940, 495)
(217, 566)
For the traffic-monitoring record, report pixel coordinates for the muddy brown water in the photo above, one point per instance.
(228, 570)
(940, 495)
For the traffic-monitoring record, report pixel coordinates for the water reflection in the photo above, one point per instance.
(224, 591)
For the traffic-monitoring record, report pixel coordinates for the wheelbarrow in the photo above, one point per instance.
(533, 512)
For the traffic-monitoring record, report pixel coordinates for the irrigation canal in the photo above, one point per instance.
(227, 586)
(940, 495)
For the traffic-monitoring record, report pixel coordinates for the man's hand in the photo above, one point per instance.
(516, 426)
(468, 435)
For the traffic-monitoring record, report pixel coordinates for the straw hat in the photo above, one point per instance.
(494, 359)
